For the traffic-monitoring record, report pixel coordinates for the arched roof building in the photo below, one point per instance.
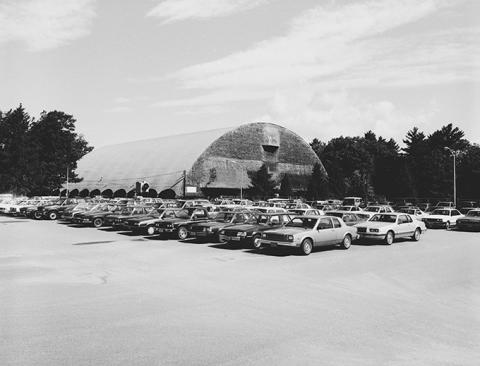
(215, 161)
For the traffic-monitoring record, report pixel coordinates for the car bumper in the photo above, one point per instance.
(374, 236)
(162, 230)
(273, 243)
(435, 225)
(226, 238)
(468, 226)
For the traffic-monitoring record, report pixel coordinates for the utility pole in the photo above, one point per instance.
(184, 184)
(454, 154)
(67, 182)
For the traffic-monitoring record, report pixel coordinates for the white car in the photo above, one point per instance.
(443, 218)
(389, 226)
(416, 212)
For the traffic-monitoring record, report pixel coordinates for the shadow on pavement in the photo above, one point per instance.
(95, 242)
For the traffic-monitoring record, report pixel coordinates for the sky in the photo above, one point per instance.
(130, 70)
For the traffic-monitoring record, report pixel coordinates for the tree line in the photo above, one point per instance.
(35, 154)
(374, 167)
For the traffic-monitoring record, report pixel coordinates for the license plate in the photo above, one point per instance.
(235, 238)
(272, 244)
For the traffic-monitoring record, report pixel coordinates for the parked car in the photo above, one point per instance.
(53, 212)
(306, 212)
(252, 230)
(378, 209)
(389, 226)
(178, 224)
(117, 218)
(466, 206)
(307, 232)
(442, 218)
(96, 215)
(471, 221)
(414, 211)
(352, 201)
(211, 228)
(146, 224)
(349, 218)
(349, 208)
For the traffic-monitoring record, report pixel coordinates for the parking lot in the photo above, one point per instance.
(71, 295)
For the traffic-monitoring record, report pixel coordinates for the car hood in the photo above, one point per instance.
(289, 230)
(469, 219)
(445, 217)
(375, 225)
(250, 227)
(213, 224)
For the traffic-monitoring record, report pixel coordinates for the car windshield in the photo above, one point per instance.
(410, 212)
(441, 212)
(337, 214)
(182, 214)
(384, 218)
(372, 208)
(473, 214)
(345, 208)
(303, 222)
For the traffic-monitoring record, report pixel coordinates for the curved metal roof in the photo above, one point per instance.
(159, 161)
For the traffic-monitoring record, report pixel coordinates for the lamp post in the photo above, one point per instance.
(454, 154)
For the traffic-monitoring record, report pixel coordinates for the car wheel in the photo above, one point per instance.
(52, 215)
(447, 225)
(416, 234)
(306, 246)
(389, 238)
(150, 230)
(347, 241)
(182, 233)
(98, 222)
(37, 215)
(256, 241)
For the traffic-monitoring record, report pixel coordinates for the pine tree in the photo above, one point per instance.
(262, 185)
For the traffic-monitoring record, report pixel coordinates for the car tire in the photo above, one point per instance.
(416, 234)
(52, 215)
(150, 230)
(389, 238)
(447, 225)
(97, 222)
(256, 241)
(347, 241)
(182, 233)
(306, 247)
(37, 215)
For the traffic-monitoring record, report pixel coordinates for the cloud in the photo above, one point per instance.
(327, 114)
(178, 10)
(348, 45)
(45, 24)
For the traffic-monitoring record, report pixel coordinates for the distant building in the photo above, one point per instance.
(216, 162)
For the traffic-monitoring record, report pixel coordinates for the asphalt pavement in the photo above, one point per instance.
(83, 296)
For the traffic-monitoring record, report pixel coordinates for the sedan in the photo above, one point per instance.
(307, 232)
(388, 227)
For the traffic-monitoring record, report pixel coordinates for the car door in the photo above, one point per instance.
(339, 230)
(404, 226)
(325, 233)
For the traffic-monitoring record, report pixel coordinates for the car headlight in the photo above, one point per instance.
(290, 237)
(264, 235)
(222, 232)
(242, 234)
(209, 229)
(374, 230)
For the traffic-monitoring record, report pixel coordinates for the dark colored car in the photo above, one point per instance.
(471, 221)
(96, 215)
(253, 228)
(466, 206)
(36, 212)
(146, 224)
(71, 212)
(117, 220)
(183, 218)
(212, 228)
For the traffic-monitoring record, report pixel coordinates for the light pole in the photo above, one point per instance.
(454, 154)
